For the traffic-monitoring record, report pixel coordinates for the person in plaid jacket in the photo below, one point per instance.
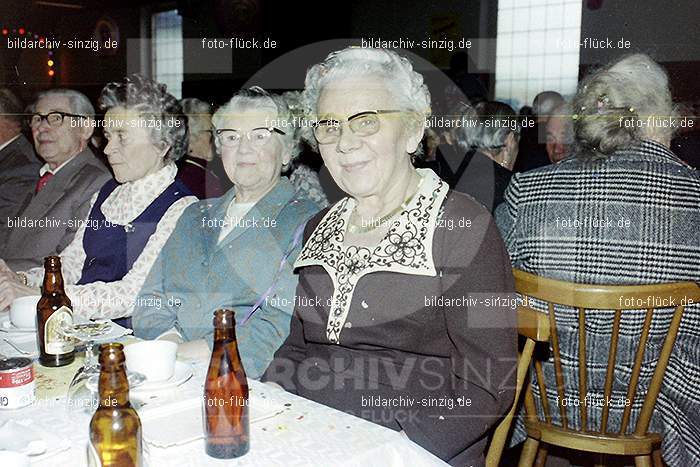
(621, 209)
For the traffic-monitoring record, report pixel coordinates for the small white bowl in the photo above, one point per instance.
(154, 359)
(23, 311)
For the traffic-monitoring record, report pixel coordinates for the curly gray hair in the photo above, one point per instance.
(197, 111)
(154, 103)
(406, 85)
(494, 122)
(257, 97)
(615, 104)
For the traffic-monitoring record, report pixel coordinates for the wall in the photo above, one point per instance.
(666, 29)
(81, 68)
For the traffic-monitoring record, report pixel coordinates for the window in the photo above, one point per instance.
(537, 48)
(167, 50)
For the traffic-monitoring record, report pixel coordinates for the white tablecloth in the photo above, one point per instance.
(305, 434)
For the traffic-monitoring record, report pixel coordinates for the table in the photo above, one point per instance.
(305, 434)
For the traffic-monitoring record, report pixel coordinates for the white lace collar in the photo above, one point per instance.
(130, 199)
(407, 248)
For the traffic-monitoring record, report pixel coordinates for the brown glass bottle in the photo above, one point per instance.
(225, 407)
(54, 311)
(115, 428)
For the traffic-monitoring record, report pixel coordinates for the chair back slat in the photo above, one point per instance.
(584, 297)
(533, 324)
(530, 323)
(596, 297)
(609, 373)
(582, 368)
(657, 378)
(636, 370)
(558, 372)
(543, 390)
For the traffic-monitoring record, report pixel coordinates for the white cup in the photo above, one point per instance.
(154, 359)
(13, 459)
(23, 311)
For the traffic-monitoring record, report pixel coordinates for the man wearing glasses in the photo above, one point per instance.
(62, 122)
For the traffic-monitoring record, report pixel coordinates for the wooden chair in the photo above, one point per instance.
(643, 445)
(534, 327)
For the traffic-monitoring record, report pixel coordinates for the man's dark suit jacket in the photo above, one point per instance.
(19, 172)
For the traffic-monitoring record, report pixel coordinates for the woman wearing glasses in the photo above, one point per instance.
(235, 251)
(132, 215)
(399, 317)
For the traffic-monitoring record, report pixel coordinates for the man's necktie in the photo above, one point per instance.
(43, 180)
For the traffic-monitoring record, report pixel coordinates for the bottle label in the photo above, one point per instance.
(55, 342)
(93, 457)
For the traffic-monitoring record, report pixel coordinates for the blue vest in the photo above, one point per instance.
(112, 249)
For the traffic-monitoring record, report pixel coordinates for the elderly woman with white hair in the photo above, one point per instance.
(622, 209)
(131, 216)
(235, 251)
(490, 138)
(386, 272)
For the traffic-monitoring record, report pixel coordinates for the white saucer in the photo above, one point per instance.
(7, 325)
(183, 372)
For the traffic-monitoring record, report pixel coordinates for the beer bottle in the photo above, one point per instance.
(226, 422)
(115, 428)
(53, 312)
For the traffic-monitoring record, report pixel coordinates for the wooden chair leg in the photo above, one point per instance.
(642, 461)
(527, 457)
(599, 460)
(541, 455)
(656, 458)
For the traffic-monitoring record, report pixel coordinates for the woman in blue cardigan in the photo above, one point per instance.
(236, 251)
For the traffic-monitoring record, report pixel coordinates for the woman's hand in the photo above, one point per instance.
(12, 287)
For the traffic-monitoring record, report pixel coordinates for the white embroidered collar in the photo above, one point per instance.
(407, 248)
(130, 199)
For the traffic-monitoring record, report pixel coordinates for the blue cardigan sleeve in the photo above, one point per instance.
(154, 311)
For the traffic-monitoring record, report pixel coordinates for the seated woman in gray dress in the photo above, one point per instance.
(387, 273)
(235, 251)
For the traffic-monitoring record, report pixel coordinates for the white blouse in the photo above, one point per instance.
(127, 201)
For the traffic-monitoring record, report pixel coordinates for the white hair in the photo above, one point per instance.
(466, 132)
(79, 103)
(257, 97)
(565, 113)
(613, 105)
(196, 111)
(496, 121)
(406, 85)
(545, 102)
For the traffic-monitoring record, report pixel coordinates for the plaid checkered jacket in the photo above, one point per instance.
(630, 218)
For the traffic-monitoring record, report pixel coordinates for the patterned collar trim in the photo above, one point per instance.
(407, 248)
